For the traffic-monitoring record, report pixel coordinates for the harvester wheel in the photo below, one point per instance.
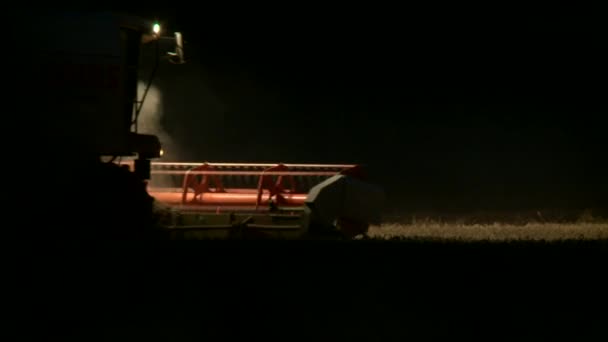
(350, 229)
(341, 230)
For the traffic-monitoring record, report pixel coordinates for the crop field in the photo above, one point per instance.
(491, 232)
(495, 226)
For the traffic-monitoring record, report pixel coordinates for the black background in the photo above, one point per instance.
(453, 111)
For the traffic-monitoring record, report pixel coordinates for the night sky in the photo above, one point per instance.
(447, 111)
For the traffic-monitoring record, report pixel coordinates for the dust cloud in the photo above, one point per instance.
(150, 121)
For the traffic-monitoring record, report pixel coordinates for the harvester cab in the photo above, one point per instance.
(90, 68)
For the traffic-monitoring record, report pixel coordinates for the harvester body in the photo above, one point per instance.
(85, 75)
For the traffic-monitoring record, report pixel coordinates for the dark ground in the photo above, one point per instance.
(375, 291)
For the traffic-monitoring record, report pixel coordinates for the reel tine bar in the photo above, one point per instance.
(257, 185)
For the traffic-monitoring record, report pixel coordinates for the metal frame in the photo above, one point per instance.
(208, 184)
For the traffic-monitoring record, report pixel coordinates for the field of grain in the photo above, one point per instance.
(491, 232)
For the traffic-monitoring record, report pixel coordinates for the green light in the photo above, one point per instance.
(156, 28)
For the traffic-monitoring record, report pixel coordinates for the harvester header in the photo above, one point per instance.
(276, 199)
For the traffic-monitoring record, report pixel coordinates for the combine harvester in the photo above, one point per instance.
(90, 63)
(220, 200)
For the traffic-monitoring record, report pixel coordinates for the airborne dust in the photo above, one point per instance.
(151, 122)
(151, 119)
